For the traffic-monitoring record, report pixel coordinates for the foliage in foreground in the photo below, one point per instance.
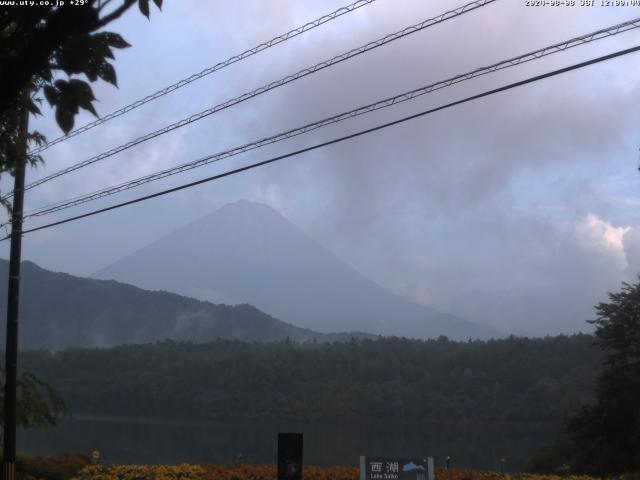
(38, 403)
(269, 472)
(77, 467)
(61, 467)
(141, 472)
(604, 438)
(37, 45)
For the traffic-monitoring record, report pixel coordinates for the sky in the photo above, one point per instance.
(519, 210)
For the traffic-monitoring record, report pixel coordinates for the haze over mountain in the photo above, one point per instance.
(58, 310)
(247, 252)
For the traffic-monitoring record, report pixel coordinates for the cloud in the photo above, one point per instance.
(271, 195)
(470, 156)
(423, 262)
(631, 242)
(516, 210)
(603, 238)
(420, 294)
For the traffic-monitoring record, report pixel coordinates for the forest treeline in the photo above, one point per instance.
(514, 379)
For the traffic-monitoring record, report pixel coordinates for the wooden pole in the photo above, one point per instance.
(13, 302)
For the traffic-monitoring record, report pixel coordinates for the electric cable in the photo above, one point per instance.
(534, 55)
(265, 88)
(510, 86)
(208, 71)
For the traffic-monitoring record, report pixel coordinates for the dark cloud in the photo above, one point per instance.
(492, 200)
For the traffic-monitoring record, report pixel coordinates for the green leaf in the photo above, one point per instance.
(33, 109)
(143, 5)
(82, 94)
(46, 75)
(92, 70)
(81, 89)
(51, 94)
(107, 73)
(38, 403)
(36, 137)
(98, 47)
(114, 40)
(76, 54)
(65, 120)
(69, 96)
(84, 53)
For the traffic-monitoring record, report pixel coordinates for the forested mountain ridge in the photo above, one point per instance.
(58, 310)
(513, 380)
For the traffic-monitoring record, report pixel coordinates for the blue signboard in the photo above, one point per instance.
(378, 468)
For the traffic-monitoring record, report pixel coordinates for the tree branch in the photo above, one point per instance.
(116, 13)
(103, 4)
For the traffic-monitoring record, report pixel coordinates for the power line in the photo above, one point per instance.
(537, 54)
(209, 70)
(265, 88)
(599, 34)
(344, 138)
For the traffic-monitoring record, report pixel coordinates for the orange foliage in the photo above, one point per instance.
(269, 472)
(61, 467)
(75, 467)
(442, 474)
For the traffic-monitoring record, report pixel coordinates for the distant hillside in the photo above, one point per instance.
(58, 310)
(513, 380)
(248, 253)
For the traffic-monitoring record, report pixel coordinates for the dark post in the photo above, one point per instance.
(11, 352)
(289, 456)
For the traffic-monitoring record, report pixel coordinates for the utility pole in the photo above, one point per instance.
(13, 301)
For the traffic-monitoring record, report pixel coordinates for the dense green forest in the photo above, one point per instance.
(515, 379)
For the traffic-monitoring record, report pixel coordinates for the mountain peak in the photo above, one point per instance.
(244, 203)
(242, 211)
(246, 252)
(247, 206)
